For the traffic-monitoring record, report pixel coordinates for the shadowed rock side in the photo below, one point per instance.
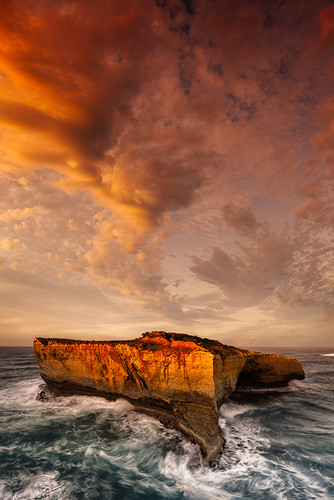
(180, 379)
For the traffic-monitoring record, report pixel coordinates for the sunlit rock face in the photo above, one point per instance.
(180, 379)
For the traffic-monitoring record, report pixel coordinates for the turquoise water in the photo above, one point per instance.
(280, 444)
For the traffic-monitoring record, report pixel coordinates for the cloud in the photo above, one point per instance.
(292, 265)
(252, 276)
(131, 133)
(74, 80)
(320, 211)
(241, 216)
(326, 25)
(68, 239)
(18, 214)
(325, 112)
(68, 82)
(105, 96)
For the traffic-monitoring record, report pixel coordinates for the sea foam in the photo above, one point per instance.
(69, 447)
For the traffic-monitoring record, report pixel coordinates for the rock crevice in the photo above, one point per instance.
(180, 379)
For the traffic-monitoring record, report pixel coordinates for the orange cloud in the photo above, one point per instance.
(74, 77)
(67, 83)
(114, 115)
(326, 23)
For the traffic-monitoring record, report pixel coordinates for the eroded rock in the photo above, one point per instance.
(180, 379)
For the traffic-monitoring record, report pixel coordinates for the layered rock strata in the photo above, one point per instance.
(180, 379)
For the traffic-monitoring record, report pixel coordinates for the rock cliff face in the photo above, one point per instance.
(181, 380)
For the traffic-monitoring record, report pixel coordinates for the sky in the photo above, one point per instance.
(167, 165)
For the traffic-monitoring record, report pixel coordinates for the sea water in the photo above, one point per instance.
(279, 443)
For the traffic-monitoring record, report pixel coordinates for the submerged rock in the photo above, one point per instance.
(180, 379)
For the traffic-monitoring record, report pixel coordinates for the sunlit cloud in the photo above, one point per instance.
(178, 155)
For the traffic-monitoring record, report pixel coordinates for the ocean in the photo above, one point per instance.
(279, 443)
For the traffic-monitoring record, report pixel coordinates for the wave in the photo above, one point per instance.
(39, 487)
(328, 354)
(87, 447)
(250, 464)
(26, 395)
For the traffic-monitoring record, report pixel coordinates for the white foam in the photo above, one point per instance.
(24, 395)
(195, 482)
(244, 461)
(295, 385)
(136, 455)
(242, 455)
(37, 487)
(79, 404)
(315, 490)
(21, 393)
(231, 410)
(328, 354)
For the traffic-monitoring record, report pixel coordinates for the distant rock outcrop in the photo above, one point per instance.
(180, 379)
